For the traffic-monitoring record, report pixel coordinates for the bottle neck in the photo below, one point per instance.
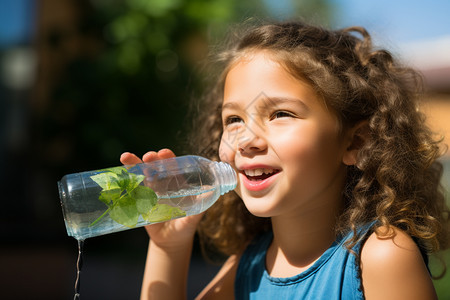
(226, 176)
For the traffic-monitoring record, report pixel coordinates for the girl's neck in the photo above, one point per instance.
(300, 240)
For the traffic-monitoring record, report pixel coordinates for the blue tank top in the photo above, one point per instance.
(335, 275)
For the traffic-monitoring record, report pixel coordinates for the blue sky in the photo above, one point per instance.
(392, 21)
(398, 21)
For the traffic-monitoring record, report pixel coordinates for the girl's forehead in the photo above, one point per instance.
(260, 72)
(264, 60)
(255, 65)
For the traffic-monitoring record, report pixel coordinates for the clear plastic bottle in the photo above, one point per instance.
(109, 200)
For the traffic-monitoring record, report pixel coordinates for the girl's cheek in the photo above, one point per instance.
(226, 151)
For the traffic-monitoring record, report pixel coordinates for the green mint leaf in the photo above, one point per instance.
(106, 180)
(123, 179)
(115, 170)
(109, 197)
(163, 212)
(145, 198)
(125, 212)
(134, 181)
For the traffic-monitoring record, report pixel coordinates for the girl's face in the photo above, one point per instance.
(281, 139)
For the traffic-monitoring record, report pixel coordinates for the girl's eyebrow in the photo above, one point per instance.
(230, 105)
(270, 102)
(267, 103)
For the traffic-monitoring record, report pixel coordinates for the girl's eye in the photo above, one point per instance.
(232, 120)
(281, 114)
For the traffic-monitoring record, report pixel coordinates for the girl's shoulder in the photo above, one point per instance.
(222, 285)
(393, 267)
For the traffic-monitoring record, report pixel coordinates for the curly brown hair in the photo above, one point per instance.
(396, 180)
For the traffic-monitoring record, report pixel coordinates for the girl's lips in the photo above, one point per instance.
(257, 185)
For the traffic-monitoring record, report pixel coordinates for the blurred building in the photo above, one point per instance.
(432, 58)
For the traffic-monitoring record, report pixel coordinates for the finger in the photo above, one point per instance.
(150, 156)
(165, 153)
(128, 158)
(161, 154)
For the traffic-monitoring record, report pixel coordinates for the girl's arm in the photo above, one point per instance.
(166, 268)
(393, 268)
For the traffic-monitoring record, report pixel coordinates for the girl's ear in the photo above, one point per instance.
(356, 137)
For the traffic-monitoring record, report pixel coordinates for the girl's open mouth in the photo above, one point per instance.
(258, 179)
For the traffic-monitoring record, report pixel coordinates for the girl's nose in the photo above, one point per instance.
(251, 141)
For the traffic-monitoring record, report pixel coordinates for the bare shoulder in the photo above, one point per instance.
(393, 268)
(222, 285)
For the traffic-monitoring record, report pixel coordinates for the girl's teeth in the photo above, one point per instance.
(258, 172)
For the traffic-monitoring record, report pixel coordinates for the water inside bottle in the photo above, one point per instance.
(191, 201)
(187, 192)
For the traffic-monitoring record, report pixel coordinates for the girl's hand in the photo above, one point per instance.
(174, 234)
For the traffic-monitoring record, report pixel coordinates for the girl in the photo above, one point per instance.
(339, 194)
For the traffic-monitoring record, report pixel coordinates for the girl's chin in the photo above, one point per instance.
(261, 213)
(262, 207)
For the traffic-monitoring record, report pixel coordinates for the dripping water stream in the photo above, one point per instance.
(79, 266)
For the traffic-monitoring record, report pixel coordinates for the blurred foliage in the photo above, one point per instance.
(318, 12)
(441, 284)
(129, 90)
(443, 259)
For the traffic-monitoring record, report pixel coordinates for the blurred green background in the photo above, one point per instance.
(86, 81)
